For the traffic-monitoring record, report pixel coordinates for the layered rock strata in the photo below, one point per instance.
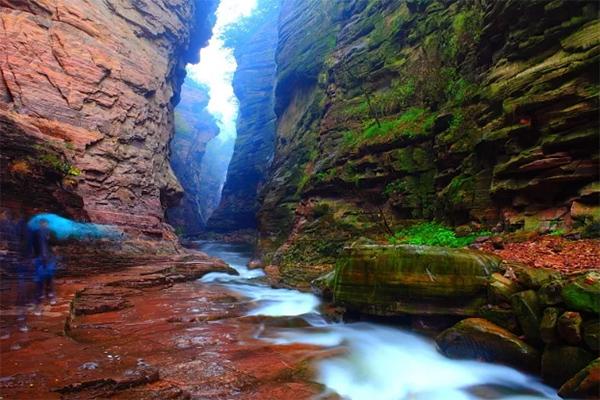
(391, 111)
(253, 84)
(87, 94)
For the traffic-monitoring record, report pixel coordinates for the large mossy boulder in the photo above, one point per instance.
(404, 279)
(585, 384)
(480, 339)
(583, 293)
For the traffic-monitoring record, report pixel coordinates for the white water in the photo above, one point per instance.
(379, 362)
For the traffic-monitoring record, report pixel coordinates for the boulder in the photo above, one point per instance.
(532, 277)
(569, 327)
(480, 339)
(323, 285)
(550, 293)
(560, 363)
(591, 334)
(423, 280)
(548, 325)
(501, 288)
(583, 293)
(255, 264)
(504, 317)
(528, 311)
(585, 384)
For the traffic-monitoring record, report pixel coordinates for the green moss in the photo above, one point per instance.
(412, 123)
(53, 161)
(398, 186)
(433, 234)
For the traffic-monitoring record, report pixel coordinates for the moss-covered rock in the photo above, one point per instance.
(569, 327)
(583, 293)
(527, 308)
(560, 363)
(501, 288)
(479, 339)
(504, 317)
(424, 280)
(548, 331)
(585, 384)
(323, 285)
(591, 334)
(550, 293)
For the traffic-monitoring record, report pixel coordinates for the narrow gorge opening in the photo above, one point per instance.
(205, 123)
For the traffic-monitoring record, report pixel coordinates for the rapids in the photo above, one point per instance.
(378, 361)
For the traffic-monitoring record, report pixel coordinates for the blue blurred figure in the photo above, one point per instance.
(45, 263)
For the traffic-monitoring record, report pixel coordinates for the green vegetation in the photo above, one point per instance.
(433, 234)
(414, 122)
(53, 161)
(395, 187)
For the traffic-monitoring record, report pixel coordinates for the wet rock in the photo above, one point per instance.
(585, 384)
(550, 293)
(501, 288)
(548, 331)
(569, 327)
(591, 334)
(583, 293)
(423, 280)
(560, 363)
(273, 274)
(528, 311)
(504, 317)
(533, 277)
(130, 378)
(99, 300)
(89, 365)
(255, 264)
(477, 338)
(323, 285)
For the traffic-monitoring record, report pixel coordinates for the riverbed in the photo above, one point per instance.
(369, 360)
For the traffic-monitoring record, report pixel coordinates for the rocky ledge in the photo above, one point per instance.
(149, 332)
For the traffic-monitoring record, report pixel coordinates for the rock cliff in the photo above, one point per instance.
(253, 84)
(87, 92)
(194, 128)
(466, 111)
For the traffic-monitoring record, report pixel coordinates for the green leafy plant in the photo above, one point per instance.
(433, 234)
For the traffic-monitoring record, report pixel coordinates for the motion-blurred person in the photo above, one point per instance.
(45, 264)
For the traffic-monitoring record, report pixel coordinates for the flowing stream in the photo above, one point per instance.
(379, 362)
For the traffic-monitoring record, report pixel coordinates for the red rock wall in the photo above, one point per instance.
(87, 90)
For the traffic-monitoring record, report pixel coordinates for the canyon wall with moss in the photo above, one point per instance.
(87, 92)
(388, 112)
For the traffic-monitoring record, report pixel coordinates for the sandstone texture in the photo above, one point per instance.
(149, 332)
(87, 92)
(394, 111)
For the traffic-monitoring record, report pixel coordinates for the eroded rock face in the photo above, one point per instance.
(463, 111)
(194, 128)
(87, 95)
(253, 84)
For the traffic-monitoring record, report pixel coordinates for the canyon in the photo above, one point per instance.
(429, 167)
